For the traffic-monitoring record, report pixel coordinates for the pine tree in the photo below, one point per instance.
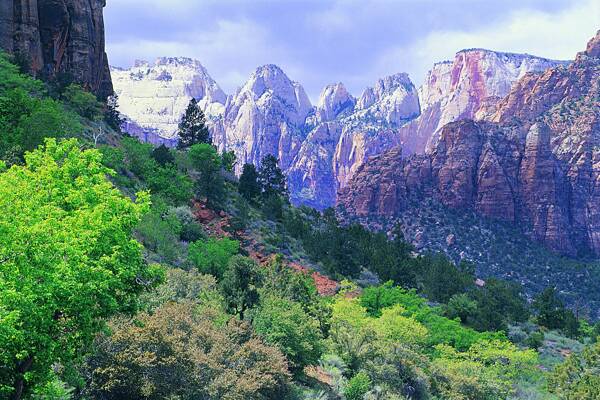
(112, 116)
(271, 178)
(192, 128)
(248, 185)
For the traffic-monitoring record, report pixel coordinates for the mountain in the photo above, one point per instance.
(266, 116)
(320, 147)
(476, 79)
(52, 37)
(153, 97)
(340, 141)
(532, 160)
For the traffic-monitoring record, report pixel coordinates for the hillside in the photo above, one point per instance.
(207, 273)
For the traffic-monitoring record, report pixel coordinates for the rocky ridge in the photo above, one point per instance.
(58, 36)
(531, 160)
(319, 147)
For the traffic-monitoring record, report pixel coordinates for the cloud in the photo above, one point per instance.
(554, 35)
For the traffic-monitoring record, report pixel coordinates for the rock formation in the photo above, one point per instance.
(155, 96)
(533, 160)
(474, 81)
(321, 147)
(58, 36)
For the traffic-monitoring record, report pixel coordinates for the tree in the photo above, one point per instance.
(210, 183)
(212, 256)
(192, 128)
(239, 285)
(271, 178)
(162, 155)
(550, 309)
(68, 260)
(284, 323)
(248, 185)
(498, 304)
(229, 160)
(82, 102)
(357, 386)
(182, 352)
(577, 378)
(112, 116)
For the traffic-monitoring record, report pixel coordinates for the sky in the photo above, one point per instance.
(318, 42)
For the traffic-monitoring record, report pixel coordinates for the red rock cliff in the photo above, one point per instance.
(533, 160)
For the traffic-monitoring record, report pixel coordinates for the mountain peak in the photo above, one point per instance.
(333, 100)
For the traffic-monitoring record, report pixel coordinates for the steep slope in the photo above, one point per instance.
(58, 36)
(153, 97)
(476, 79)
(533, 161)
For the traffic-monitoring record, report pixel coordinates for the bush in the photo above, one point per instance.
(212, 256)
(178, 352)
(357, 386)
(285, 324)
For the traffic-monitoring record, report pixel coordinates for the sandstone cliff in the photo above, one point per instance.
(532, 160)
(58, 36)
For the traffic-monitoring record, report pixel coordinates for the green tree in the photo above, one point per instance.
(284, 323)
(68, 260)
(357, 386)
(461, 306)
(271, 178)
(82, 102)
(112, 116)
(441, 279)
(210, 183)
(229, 160)
(248, 185)
(550, 309)
(578, 377)
(162, 155)
(212, 256)
(192, 128)
(239, 285)
(498, 304)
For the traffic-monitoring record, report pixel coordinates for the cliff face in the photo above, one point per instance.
(58, 36)
(533, 160)
(474, 81)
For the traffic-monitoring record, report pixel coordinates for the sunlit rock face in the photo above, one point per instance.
(533, 159)
(474, 81)
(266, 116)
(154, 96)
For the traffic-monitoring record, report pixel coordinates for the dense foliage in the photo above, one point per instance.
(68, 260)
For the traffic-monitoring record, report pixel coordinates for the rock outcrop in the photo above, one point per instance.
(533, 160)
(58, 37)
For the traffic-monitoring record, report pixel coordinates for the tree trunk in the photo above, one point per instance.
(22, 368)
